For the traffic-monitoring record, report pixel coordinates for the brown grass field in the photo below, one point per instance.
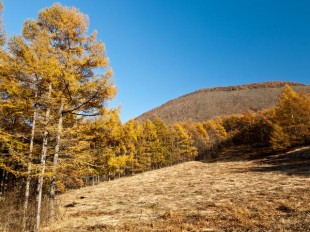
(270, 194)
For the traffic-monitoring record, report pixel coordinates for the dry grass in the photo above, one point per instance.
(196, 196)
(11, 212)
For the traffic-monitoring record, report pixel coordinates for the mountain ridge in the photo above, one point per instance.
(208, 103)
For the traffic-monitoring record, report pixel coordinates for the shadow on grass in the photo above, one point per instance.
(295, 162)
(234, 153)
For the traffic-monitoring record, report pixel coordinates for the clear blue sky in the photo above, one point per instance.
(162, 49)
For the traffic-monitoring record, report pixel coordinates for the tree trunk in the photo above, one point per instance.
(43, 165)
(29, 167)
(55, 162)
(2, 183)
(5, 182)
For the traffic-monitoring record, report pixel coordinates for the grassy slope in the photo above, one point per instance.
(266, 194)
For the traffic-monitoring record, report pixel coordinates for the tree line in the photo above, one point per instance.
(57, 133)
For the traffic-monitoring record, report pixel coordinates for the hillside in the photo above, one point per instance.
(206, 104)
(270, 194)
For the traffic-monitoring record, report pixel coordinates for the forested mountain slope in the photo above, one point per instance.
(206, 104)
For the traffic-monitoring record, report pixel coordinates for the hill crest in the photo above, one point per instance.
(208, 103)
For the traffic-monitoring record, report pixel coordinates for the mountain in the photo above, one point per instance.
(209, 103)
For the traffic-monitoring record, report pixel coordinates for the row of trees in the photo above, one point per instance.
(125, 149)
(286, 125)
(115, 149)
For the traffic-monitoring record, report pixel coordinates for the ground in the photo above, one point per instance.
(269, 194)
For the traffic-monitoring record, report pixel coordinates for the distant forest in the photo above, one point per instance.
(57, 134)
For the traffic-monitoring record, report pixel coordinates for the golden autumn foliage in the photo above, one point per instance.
(57, 133)
(279, 140)
(292, 113)
(48, 83)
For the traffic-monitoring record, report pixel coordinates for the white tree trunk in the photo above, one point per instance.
(55, 162)
(43, 165)
(29, 167)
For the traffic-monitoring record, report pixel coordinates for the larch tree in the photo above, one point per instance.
(5, 122)
(79, 162)
(216, 132)
(17, 98)
(304, 121)
(41, 65)
(147, 151)
(82, 83)
(292, 114)
(132, 131)
(183, 144)
(163, 153)
(278, 139)
(17, 91)
(200, 137)
(112, 150)
(33, 65)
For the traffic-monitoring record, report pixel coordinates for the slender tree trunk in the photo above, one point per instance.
(5, 182)
(2, 182)
(43, 165)
(29, 167)
(55, 161)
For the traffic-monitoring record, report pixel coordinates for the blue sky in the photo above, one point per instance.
(162, 49)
